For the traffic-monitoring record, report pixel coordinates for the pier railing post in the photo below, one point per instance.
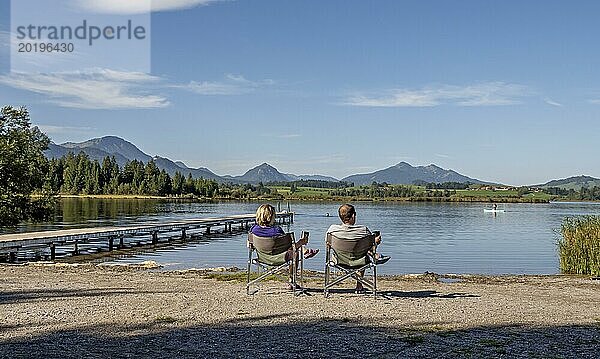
(154, 237)
(111, 242)
(121, 241)
(76, 247)
(52, 251)
(183, 233)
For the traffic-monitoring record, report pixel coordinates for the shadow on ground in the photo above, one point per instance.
(390, 294)
(9, 297)
(287, 336)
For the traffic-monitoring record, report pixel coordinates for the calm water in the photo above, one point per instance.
(435, 237)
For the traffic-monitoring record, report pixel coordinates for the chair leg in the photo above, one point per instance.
(248, 272)
(325, 287)
(302, 268)
(375, 281)
(294, 272)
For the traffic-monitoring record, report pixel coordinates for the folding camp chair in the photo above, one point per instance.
(269, 256)
(350, 257)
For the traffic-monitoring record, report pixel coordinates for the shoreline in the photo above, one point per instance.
(333, 199)
(74, 311)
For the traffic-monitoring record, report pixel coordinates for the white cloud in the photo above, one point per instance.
(552, 103)
(231, 85)
(110, 89)
(282, 135)
(96, 89)
(291, 135)
(482, 94)
(52, 129)
(129, 7)
(594, 101)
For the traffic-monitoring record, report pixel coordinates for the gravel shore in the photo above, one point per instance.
(53, 311)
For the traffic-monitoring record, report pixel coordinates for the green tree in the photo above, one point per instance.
(23, 169)
(178, 183)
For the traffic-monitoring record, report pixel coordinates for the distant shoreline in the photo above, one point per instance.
(332, 199)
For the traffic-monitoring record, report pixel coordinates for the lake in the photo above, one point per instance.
(434, 237)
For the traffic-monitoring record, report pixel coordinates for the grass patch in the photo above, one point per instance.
(165, 319)
(486, 193)
(579, 246)
(240, 277)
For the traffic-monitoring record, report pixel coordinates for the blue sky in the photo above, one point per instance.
(506, 92)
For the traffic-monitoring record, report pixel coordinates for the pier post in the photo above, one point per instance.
(183, 233)
(154, 237)
(121, 241)
(76, 248)
(291, 218)
(111, 242)
(52, 251)
(12, 257)
(207, 229)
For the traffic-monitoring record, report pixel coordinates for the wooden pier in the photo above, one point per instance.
(11, 244)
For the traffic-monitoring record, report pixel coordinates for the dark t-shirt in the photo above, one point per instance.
(260, 231)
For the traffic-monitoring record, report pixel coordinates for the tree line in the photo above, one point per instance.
(584, 194)
(78, 174)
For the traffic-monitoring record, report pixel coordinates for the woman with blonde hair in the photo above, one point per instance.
(265, 227)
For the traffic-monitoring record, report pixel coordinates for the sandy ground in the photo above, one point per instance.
(90, 311)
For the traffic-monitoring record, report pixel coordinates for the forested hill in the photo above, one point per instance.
(573, 183)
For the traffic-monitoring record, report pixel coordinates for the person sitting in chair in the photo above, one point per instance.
(265, 227)
(350, 230)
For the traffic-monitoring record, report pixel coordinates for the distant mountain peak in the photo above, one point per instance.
(405, 173)
(403, 165)
(112, 145)
(263, 173)
(265, 165)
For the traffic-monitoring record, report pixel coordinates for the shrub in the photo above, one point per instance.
(579, 246)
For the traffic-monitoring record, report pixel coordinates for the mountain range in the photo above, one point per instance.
(125, 151)
(402, 173)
